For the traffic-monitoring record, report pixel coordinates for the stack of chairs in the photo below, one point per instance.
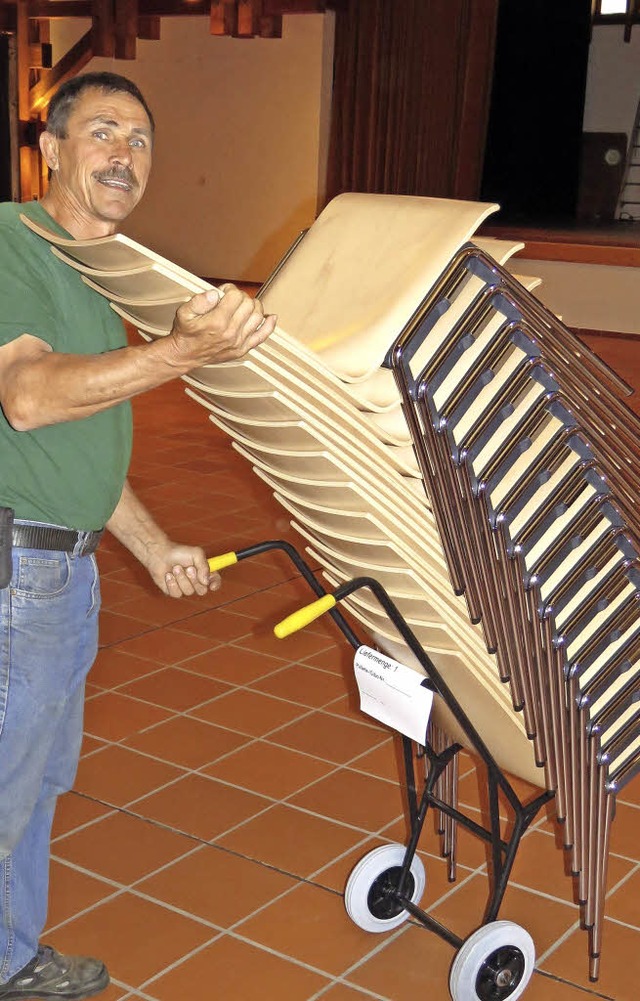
(529, 455)
(481, 469)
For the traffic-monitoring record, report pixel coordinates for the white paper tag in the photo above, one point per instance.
(392, 693)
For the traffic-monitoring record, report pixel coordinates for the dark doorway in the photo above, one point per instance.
(533, 150)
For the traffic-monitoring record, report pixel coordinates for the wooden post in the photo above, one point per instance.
(249, 13)
(224, 17)
(271, 26)
(24, 110)
(103, 28)
(149, 28)
(40, 55)
(126, 24)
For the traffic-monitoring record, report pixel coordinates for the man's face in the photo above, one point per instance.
(102, 167)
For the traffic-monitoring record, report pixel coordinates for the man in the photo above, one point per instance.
(66, 376)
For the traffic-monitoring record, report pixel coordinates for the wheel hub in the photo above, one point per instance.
(382, 898)
(500, 974)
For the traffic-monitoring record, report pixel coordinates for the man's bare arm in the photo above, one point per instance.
(176, 569)
(39, 386)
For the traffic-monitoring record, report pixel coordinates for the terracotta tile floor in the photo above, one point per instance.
(229, 783)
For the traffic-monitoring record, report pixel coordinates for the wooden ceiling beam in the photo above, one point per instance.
(7, 18)
(175, 8)
(52, 9)
(279, 7)
(57, 9)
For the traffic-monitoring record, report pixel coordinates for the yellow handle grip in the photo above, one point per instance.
(220, 562)
(301, 618)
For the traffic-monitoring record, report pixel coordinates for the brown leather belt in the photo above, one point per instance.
(63, 540)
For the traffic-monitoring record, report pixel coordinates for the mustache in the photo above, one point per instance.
(117, 174)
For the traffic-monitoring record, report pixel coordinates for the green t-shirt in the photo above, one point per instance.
(71, 473)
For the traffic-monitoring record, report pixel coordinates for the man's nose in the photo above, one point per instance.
(121, 152)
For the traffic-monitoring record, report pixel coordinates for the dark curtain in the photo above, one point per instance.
(411, 94)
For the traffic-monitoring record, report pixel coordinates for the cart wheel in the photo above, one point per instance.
(494, 964)
(369, 893)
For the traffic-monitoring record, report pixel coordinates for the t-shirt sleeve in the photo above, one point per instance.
(26, 306)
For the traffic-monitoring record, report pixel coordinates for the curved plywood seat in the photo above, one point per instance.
(363, 535)
(339, 546)
(398, 582)
(147, 282)
(408, 514)
(282, 435)
(115, 254)
(365, 265)
(500, 728)
(154, 317)
(323, 408)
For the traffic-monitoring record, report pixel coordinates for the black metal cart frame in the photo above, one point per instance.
(392, 894)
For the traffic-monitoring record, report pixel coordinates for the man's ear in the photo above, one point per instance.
(49, 149)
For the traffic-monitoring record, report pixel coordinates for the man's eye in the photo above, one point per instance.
(138, 143)
(99, 134)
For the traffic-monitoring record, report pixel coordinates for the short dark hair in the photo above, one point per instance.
(64, 99)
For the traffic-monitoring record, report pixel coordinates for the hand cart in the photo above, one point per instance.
(384, 889)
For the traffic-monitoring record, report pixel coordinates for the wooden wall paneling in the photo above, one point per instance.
(126, 28)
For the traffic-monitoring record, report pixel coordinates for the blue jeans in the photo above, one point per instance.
(48, 642)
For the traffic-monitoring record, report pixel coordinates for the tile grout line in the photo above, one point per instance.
(153, 627)
(555, 945)
(589, 992)
(356, 988)
(232, 689)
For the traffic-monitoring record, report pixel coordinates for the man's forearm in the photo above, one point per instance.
(134, 526)
(39, 386)
(177, 569)
(54, 387)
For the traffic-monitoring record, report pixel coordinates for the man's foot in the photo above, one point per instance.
(50, 975)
